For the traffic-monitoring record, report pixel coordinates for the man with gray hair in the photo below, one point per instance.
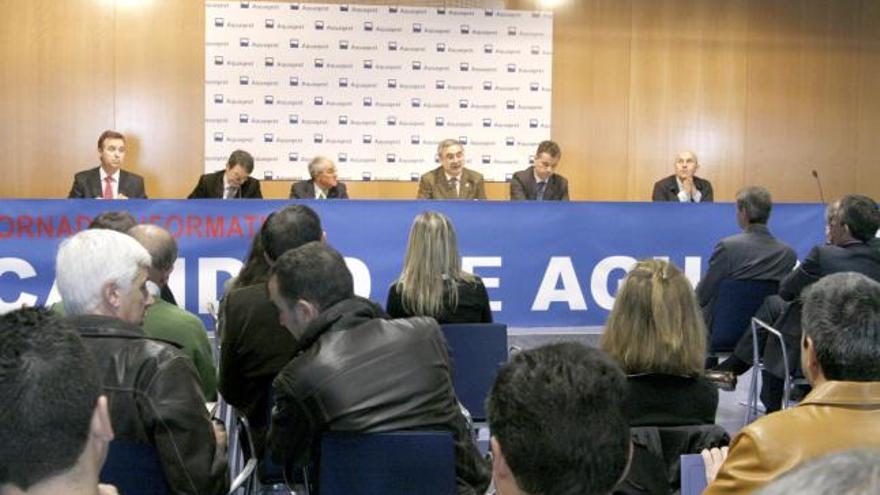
(323, 183)
(167, 321)
(840, 357)
(451, 180)
(153, 390)
(753, 254)
(851, 472)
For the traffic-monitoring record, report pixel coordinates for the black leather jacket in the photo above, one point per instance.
(357, 371)
(155, 397)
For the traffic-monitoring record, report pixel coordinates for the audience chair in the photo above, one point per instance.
(693, 474)
(244, 481)
(737, 301)
(477, 352)
(669, 443)
(790, 372)
(134, 469)
(391, 463)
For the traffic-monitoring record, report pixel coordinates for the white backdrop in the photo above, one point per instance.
(374, 88)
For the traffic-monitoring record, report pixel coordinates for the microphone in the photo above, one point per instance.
(819, 183)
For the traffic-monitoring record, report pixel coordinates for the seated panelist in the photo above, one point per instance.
(451, 180)
(108, 181)
(540, 182)
(235, 182)
(323, 183)
(683, 186)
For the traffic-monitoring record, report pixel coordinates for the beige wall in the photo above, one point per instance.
(763, 90)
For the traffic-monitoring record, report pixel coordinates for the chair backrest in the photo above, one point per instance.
(671, 442)
(736, 303)
(391, 463)
(477, 352)
(134, 468)
(693, 474)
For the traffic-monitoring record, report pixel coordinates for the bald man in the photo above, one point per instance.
(684, 186)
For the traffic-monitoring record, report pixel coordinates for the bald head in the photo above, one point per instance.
(162, 248)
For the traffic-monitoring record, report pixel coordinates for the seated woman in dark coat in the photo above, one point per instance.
(432, 282)
(657, 334)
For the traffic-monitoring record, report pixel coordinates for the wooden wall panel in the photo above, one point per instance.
(763, 90)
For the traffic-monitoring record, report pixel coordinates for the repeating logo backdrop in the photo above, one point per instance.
(375, 88)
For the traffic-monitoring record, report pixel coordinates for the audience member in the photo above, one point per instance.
(323, 183)
(432, 282)
(841, 360)
(234, 182)
(850, 472)
(153, 389)
(169, 322)
(355, 370)
(557, 424)
(108, 181)
(54, 423)
(451, 180)
(540, 182)
(656, 332)
(683, 186)
(120, 221)
(753, 254)
(253, 344)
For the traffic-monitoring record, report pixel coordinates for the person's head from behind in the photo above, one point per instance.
(322, 170)
(841, 329)
(655, 325)
(306, 281)
(255, 269)
(239, 167)
(162, 248)
(753, 205)
(103, 272)
(111, 150)
(546, 159)
(555, 413)
(857, 218)
(686, 165)
(451, 155)
(431, 262)
(120, 221)
(55, 424)
(289, 228)
(850, 472)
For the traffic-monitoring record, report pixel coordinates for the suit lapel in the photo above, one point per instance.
(94, 183)
(218, 191)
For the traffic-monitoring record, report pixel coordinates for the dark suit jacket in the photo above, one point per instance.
(211, 186)
(753, 254)
(87, 184)
(667, 189)
(523, 186)
(433, 185)
(306, 190)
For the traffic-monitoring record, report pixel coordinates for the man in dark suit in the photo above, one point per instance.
(683, 186)
(107, 181)
(539, 182)
(254, 346)
(323, 183)
(233, 183)
(451, 180)
(753, 254)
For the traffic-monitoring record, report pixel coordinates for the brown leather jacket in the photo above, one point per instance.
(356, 371)
(155, 397)
(834, 416)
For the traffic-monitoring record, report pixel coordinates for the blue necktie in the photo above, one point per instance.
(541, 186)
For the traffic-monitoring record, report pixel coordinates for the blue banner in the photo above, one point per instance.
(545, 264)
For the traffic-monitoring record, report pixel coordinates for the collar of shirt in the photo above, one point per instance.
(538, 179)
(104, 175)
(449, 177)
(320, 193)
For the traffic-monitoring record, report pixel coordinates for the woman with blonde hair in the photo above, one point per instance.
(656, 332)
(432, 282)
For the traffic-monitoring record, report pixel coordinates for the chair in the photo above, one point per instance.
(669, 443)
(392, 463)
(134, 468)
(693, 474)
(789, 378)
(737, 301)
(245, 478)
(477, 352)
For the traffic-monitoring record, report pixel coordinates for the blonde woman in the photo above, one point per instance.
(656, 332)
(432, 282)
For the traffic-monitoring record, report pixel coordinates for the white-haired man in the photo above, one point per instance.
(451, 180)
(153, 390)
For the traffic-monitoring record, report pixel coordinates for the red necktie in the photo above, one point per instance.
(108, 187)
